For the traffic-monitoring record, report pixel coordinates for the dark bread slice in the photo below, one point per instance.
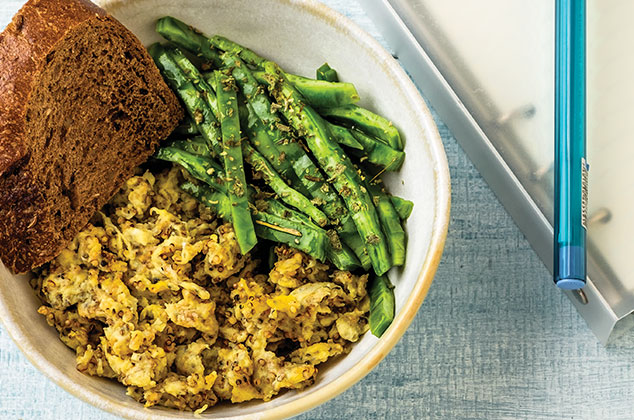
(81, 105)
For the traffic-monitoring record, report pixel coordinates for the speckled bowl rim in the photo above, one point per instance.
(402, 320)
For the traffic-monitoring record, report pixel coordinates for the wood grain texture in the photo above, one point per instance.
(493, 340)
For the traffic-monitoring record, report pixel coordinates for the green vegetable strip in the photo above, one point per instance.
(197, 78)
(390, 222)
(304, 168)
(244, 53)
(356, 244)
(382, 305)
(366, 121)
(344, 137)
(196, 146)
(234, 165)
(308, 238)
(201, 168)
(402, 206)
(317, 187)
(183, 86)
(378, 152)
(312, 241)
(188, 38)
(277, 184)
(325, 72)
(336, 165)
(323, 94)
(260, 104)
(210, 77)
(339, 254)
(310, 176)
(259, 137)
(344, 258)
(254, 94)
(319, 93)
(287, 149)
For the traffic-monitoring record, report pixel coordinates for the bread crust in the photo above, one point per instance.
(27, 233)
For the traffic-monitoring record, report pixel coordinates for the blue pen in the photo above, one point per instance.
(571, 168)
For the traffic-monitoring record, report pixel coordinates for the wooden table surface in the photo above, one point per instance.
(493, 340)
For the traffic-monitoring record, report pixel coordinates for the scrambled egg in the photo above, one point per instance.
(155, 293)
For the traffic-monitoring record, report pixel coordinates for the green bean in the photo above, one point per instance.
(244, 53)
(323, 94)
(306, 237)
(233, 162)
(284, 192)
(319, 93)
(382, 304)
(196, 77)
(312, 241)
(186, 37)
(325, 72)
(335, 163)
(196, 146)
(402, 206)
(201, 168)
(378, 152)
(367, 121)
(356, 244)
(344, 137)
(390, 221)
(197, 108)
(259, 103)
(339, 254)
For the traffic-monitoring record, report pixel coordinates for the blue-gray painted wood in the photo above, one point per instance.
(493, 340)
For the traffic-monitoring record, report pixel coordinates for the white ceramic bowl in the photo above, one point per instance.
(300, 35)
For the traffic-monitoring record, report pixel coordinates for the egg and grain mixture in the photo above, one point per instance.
(155, 293)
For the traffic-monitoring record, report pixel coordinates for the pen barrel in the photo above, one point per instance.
(570, 144)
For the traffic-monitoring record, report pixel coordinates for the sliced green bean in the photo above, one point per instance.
(306, 237)
(377, 152)
(183, 86)
(367, 121)
(196, 77)
(244, 53)
(196, 146)
(187, 37)
(284, 192)
(310, 240)
(201, 168)
(344, 137)
(325, 72)
(259, 103)
(335, 163)
(356, 244)
(390, 222)
(319, 93)
(338, 253)
(403, 207)
(233, 162)
(382, 304)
